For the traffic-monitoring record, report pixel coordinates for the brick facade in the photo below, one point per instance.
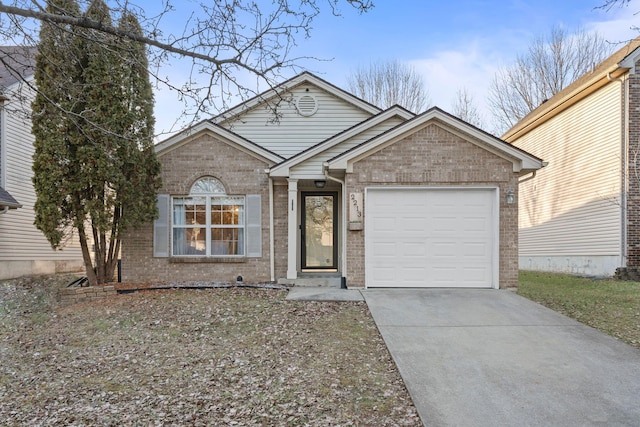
(433, 156)
(69, 296)
(633, 194)
(281, 227)
(241, 174)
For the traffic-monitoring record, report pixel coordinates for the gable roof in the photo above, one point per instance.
(7, 200)
(282, 169)
(206, 126)
(16, 63)
(523, 162)
(303, 78)
(609, 69)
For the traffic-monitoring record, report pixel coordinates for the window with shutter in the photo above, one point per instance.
(210, 223)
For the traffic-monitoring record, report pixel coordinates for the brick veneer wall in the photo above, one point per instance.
(69, 296)
(433, 156)
(281, 227)
(633, 194)
(242, 174)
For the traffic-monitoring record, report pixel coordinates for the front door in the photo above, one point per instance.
(319, 237)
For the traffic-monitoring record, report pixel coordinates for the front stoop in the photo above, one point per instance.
(298, 293)
(318, 280)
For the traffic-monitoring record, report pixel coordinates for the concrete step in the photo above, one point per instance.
(315, 282)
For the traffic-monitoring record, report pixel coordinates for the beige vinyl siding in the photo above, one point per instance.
(292, 132)
(312, 168)
(572, 206)
(20, 240)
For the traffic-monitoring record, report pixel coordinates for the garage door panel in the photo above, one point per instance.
(414, 274)
(414, 249)
(440, 250)
(475, 276)
(443, 275)
(476, 251)
(444, 225)
(381, 250)
(385, 273)
(430, 237)
(475, 224)
(413, 225)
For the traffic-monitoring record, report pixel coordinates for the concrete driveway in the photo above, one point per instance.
(493, 358)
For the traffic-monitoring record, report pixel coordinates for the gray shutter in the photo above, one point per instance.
(161, 228)
(253, 208)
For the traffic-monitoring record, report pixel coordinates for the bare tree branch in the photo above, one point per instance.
(385, 84)
(551, 63)
(609, 4)
(236, 48)
(465, 109)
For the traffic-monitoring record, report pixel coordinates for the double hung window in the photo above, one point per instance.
(208, 222)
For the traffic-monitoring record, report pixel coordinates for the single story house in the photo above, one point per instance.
(308, 182)
(581, 214)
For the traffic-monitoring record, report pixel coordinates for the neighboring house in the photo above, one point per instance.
(333, 188)
(581, 213)
(23, 248)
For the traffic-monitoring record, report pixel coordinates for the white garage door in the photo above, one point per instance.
(431, 237)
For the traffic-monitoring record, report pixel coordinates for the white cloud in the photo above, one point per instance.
(618, 24)
(447, 71)
(473, 64)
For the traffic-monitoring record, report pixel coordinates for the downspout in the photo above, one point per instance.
(344, 217)
(3, 144)
(272, 261)
(624, 185)
(4, 210)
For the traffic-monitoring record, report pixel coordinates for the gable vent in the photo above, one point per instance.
(307, 105)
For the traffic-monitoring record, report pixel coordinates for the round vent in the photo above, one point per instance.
(307, 105)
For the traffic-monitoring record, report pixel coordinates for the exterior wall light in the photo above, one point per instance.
(320, 183)
(510, 197)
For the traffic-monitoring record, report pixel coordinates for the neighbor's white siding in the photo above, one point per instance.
(23, 248)
(313, 167)
(291, 132)
(570, 214)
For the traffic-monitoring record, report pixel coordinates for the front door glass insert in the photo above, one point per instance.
(319, 233)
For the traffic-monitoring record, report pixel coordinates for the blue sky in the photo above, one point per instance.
(453, 44)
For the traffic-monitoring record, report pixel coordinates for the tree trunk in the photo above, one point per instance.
(86, 256)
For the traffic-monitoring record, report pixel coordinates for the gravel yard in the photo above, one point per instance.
(232, 356)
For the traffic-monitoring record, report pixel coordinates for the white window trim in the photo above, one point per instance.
(210, 199)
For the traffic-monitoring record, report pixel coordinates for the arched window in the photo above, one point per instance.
(207, 185)
(208, 222)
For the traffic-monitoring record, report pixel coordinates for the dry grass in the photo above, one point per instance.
(193, 357)
(611, 306)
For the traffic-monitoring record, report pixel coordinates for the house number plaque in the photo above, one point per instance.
(355, 211)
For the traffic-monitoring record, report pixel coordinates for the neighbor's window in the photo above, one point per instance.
(208, 222)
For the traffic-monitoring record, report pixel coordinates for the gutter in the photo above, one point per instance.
(571, 99)
(533, 173)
